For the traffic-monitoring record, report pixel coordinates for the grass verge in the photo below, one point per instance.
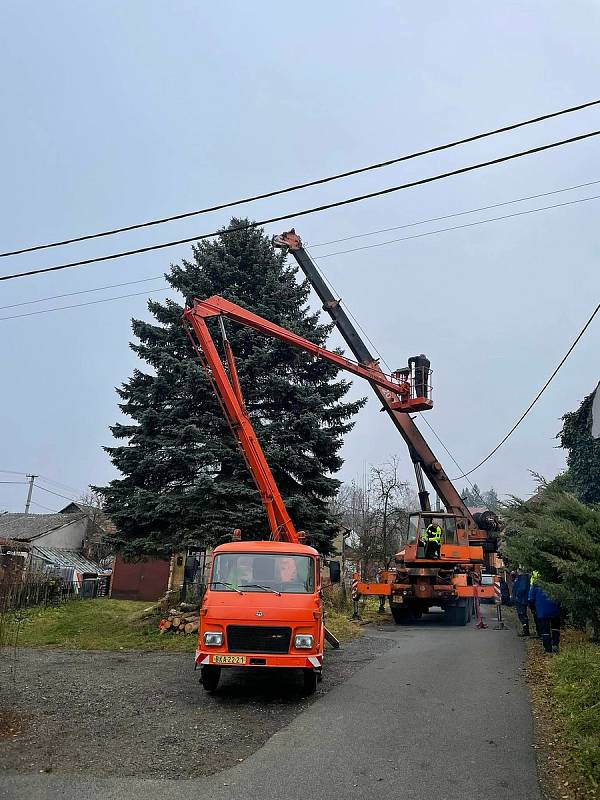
(100, 624)
(105, 624)
(566, 704)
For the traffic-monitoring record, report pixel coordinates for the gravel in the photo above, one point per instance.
(145, 714)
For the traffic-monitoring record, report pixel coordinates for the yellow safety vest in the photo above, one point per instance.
(433, 534)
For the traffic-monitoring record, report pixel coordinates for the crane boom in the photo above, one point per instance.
(398, 391)
(421, 454)
(228, 391)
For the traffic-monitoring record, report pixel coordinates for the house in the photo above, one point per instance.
(64, 531)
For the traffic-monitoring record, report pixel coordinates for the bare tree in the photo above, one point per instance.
(99, 530)
(376, 510)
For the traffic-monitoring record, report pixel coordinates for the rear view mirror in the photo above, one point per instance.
(334, 571)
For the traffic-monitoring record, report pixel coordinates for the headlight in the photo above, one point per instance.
(303, 641)
(213, 638)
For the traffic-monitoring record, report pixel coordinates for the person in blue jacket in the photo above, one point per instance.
(520, 595)
(548, 614)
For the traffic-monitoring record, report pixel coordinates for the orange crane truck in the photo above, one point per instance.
(416, 583)
(263, 605)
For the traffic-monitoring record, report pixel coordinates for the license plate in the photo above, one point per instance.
(229, 659)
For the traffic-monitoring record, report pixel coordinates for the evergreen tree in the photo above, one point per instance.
(559, 536)
(184, 482)
(472, 497)
(583, 458)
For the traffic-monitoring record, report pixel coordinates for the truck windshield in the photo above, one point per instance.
(263, 572)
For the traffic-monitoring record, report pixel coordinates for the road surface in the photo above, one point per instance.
(442, 714)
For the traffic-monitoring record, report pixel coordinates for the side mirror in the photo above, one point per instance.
(335, 572)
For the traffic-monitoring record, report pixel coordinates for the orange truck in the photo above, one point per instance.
(469, 538)
(262, 608)
(263, 605)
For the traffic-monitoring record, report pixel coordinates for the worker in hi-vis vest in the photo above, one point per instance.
(433, 539)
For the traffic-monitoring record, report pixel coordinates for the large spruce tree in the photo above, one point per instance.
(184, 482)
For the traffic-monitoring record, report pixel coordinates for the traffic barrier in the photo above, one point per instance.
(500, 626)
(355, 595)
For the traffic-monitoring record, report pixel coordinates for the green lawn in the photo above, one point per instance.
(101, 624)
(105, 624)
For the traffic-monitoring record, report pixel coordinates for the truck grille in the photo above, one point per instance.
(258, 639)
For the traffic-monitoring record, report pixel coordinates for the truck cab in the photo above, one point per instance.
(262, 608)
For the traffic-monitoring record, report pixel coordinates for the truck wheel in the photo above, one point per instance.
(209, 678)
(457, 615)
(401, 615)
(310, 681)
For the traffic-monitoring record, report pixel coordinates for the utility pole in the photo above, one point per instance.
(30, 492)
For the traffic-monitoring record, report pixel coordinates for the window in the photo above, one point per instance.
(263, 572)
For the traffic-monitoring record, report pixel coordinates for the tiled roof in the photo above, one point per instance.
(26, 527)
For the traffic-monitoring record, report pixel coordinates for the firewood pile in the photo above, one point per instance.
(183, 619)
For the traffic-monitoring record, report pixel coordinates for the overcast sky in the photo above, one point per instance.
(116, 112)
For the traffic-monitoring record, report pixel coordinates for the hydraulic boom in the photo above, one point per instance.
(421, 454)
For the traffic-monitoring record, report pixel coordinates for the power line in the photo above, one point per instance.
(52, 510)
(81, 291)
(64, 496)
(15, 483)
(305, 212)
(322, 244)
(304, 185)
(454, 214)
(81, 305)
(60, 485)
(11, 472)
(459, 227)
(536, 398)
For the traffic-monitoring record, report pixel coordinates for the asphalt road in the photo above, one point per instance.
(443, 715)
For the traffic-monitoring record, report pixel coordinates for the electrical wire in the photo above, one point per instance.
(52, 510)
(459, 227)
(305, 185)
(15, 483)
(56, 494)
(535, 399)
(81, 291)
(322, 244)
(456, 214)
(305, 212)
(81, 305)
(60, 485)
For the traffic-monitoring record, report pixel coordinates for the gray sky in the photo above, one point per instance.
(116, 112)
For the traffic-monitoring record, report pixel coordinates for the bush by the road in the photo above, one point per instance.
(559, 536)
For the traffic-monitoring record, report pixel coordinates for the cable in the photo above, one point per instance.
(35, 503)
(81, 291)
(64, 496)
(60, 485)
(322, 244)
(432, 429)
(80, 305)
(456, 214)
(12, 472)
(16, 483)
(305, 212)
(536, 398)
(305, 185)
(459, 227)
